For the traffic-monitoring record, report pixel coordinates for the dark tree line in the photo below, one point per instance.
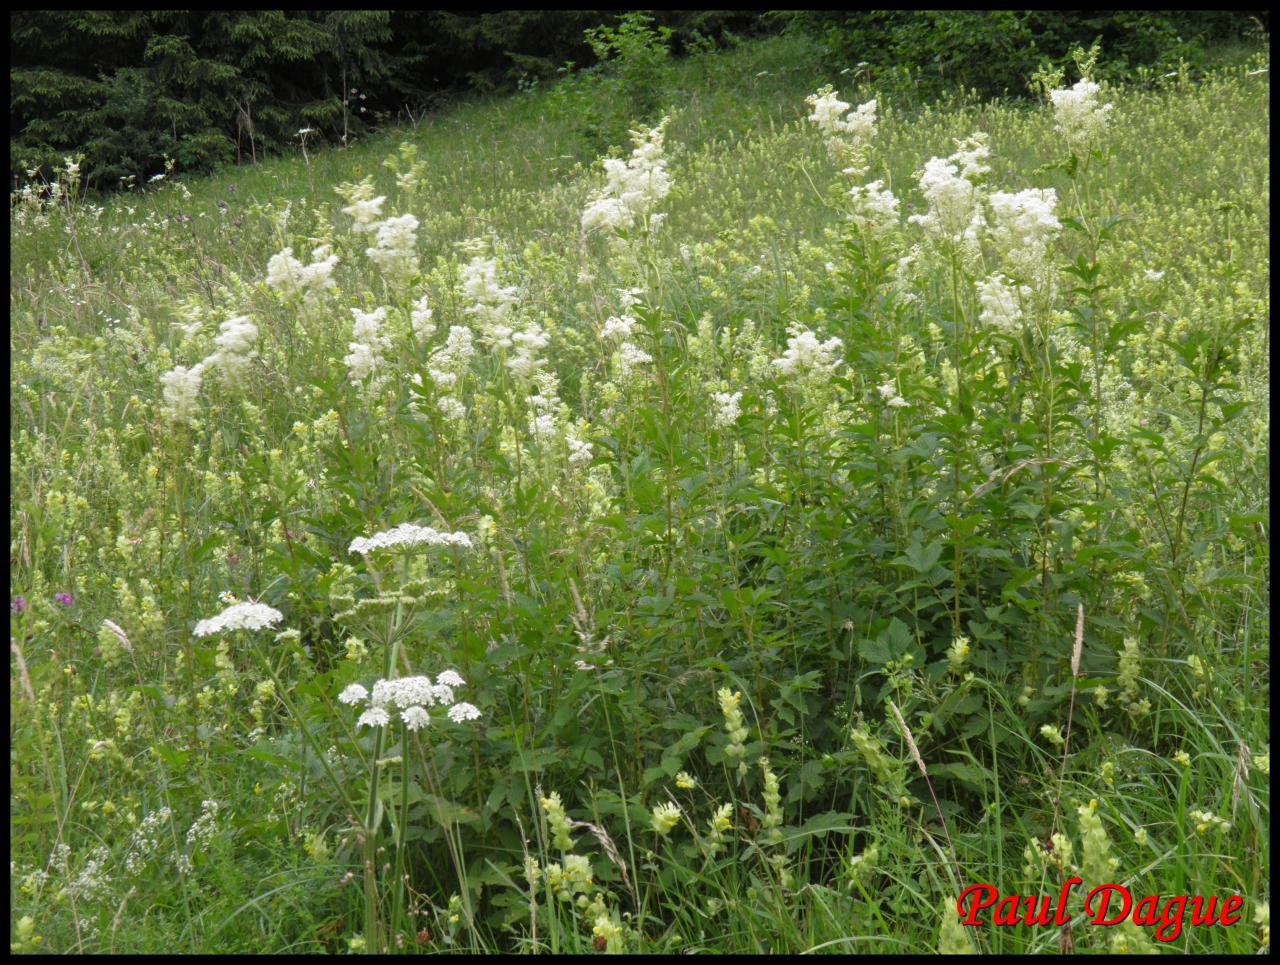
(128, 88)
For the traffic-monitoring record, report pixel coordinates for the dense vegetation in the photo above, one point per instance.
(126, 89)
(816, 510)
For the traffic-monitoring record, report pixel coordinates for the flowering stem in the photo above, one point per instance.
(370, 853)
(302, 725)
(401, 822)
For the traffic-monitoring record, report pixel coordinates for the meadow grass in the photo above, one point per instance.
(723, 489)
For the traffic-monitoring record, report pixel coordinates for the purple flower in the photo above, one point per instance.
(18, 605)
(66, 599)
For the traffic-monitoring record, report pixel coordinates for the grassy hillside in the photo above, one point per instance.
(801, 555)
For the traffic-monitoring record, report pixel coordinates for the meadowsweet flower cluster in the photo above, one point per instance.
(420, 319)
(950, 186)
(807, 361)
(234, 347)
(873, 208)
(233, 351)
(290, 277)
(447, 366)
(394, 249)
(846, 135)
(180, 388)
(364, 209)
(1002, 304)
(889, 395)
(493, 305)
(368, 347)
(1023, 224)
(633, 188)
(1077, 114)
(728, 408)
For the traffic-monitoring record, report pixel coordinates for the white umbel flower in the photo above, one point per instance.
(409, 535)
(353, 694)
(415, 718)
(450, 678)
(374, 717)
(461, 712)
(241, 616)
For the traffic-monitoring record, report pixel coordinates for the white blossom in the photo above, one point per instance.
(291, 277)
(367, 347)
(420, 319)
(806, 358)
(1001, 303)
(845, 135)
(415, 718)
(617, 326)
(728, 408)
(394, 250)
(409, 535)
(460, 712)
(181, 386)
(374, 717)
(234, 345)
(353, 694)
(1023, 224)
(451, 408)
(1077, 115)
(633, 188)
(949, 186)
(366, 212)
(874, 209)
(630, 356)
(240, 616)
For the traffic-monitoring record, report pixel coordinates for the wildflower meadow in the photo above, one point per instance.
(503, 533)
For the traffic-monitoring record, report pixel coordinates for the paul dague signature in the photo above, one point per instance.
(1043, 910)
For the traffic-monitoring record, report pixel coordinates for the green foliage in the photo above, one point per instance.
(994, 52)
(706, 616)
(126, 88)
